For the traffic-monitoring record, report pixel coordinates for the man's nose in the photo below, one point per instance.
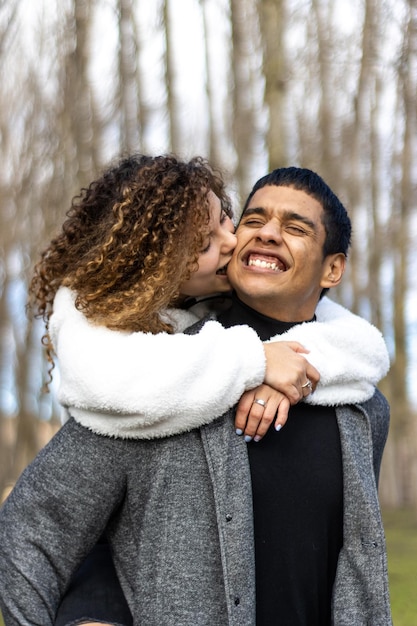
(269, 232)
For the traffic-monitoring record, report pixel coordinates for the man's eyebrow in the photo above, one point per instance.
(287, 215)
(252, 211)
(292, 215)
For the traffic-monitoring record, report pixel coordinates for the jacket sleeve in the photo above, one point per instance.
(171, 382)
(58, 509)
(349, 352)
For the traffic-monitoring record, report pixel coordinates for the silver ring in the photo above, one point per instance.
(308, 384)
(258, 401)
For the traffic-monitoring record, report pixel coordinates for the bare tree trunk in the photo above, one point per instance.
(403, 430)
(7, 429)
(376, 234)
(245, 110)
(322, 13)
(129, 86)
(214, 152)
(174, 130)
(272, 20)
(358, 188)
(78, 101)
(26, 422)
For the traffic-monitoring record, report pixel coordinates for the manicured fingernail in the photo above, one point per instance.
(239, 431)
(278, 427)
(248, 438)
(257, 438)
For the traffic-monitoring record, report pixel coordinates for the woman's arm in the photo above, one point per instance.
(159, 385)
(350, 355)
(55, 514)
(348, 351)
(133, 373)
(107, 374)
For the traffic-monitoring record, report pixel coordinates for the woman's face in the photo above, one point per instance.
(210, 277)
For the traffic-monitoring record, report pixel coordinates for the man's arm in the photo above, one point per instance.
(52, 518)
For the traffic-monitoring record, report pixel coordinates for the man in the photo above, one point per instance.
(309, 532)
(313, 535)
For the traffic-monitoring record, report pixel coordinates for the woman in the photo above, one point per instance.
(120, 260)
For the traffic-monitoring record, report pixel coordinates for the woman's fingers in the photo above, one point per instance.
(288, 371)
(258, 409)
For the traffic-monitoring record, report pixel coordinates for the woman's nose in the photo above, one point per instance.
(229, 241)
(229, 238)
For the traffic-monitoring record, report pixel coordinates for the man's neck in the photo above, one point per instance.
(241, 313)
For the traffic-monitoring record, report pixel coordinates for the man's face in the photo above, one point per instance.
(278, 266)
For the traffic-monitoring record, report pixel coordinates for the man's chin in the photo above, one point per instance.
(257, 285)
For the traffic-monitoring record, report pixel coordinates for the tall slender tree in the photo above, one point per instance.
(131, 124)
(169, 59)
(246, 111)
(272, 18)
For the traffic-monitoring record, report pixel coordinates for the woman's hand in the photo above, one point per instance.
(288, 371)
(289, 378)
(258, 409)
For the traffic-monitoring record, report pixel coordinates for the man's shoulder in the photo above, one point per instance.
(377, 404)
(375, 408)
(378, 411)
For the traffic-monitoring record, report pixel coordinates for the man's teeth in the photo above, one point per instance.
(270, 265)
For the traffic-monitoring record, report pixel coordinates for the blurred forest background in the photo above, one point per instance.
(251, 84)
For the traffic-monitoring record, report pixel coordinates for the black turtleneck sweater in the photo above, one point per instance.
(297, 486)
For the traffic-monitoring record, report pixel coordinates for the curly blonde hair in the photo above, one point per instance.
(129, 241)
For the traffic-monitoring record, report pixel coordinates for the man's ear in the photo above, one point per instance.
(333, 268)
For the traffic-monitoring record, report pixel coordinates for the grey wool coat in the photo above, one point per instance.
(178, 514)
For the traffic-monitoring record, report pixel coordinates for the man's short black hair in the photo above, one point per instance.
(336, 221)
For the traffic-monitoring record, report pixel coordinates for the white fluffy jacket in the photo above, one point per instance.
(139, 385)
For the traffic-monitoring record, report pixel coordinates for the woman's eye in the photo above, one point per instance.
(206, 247)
